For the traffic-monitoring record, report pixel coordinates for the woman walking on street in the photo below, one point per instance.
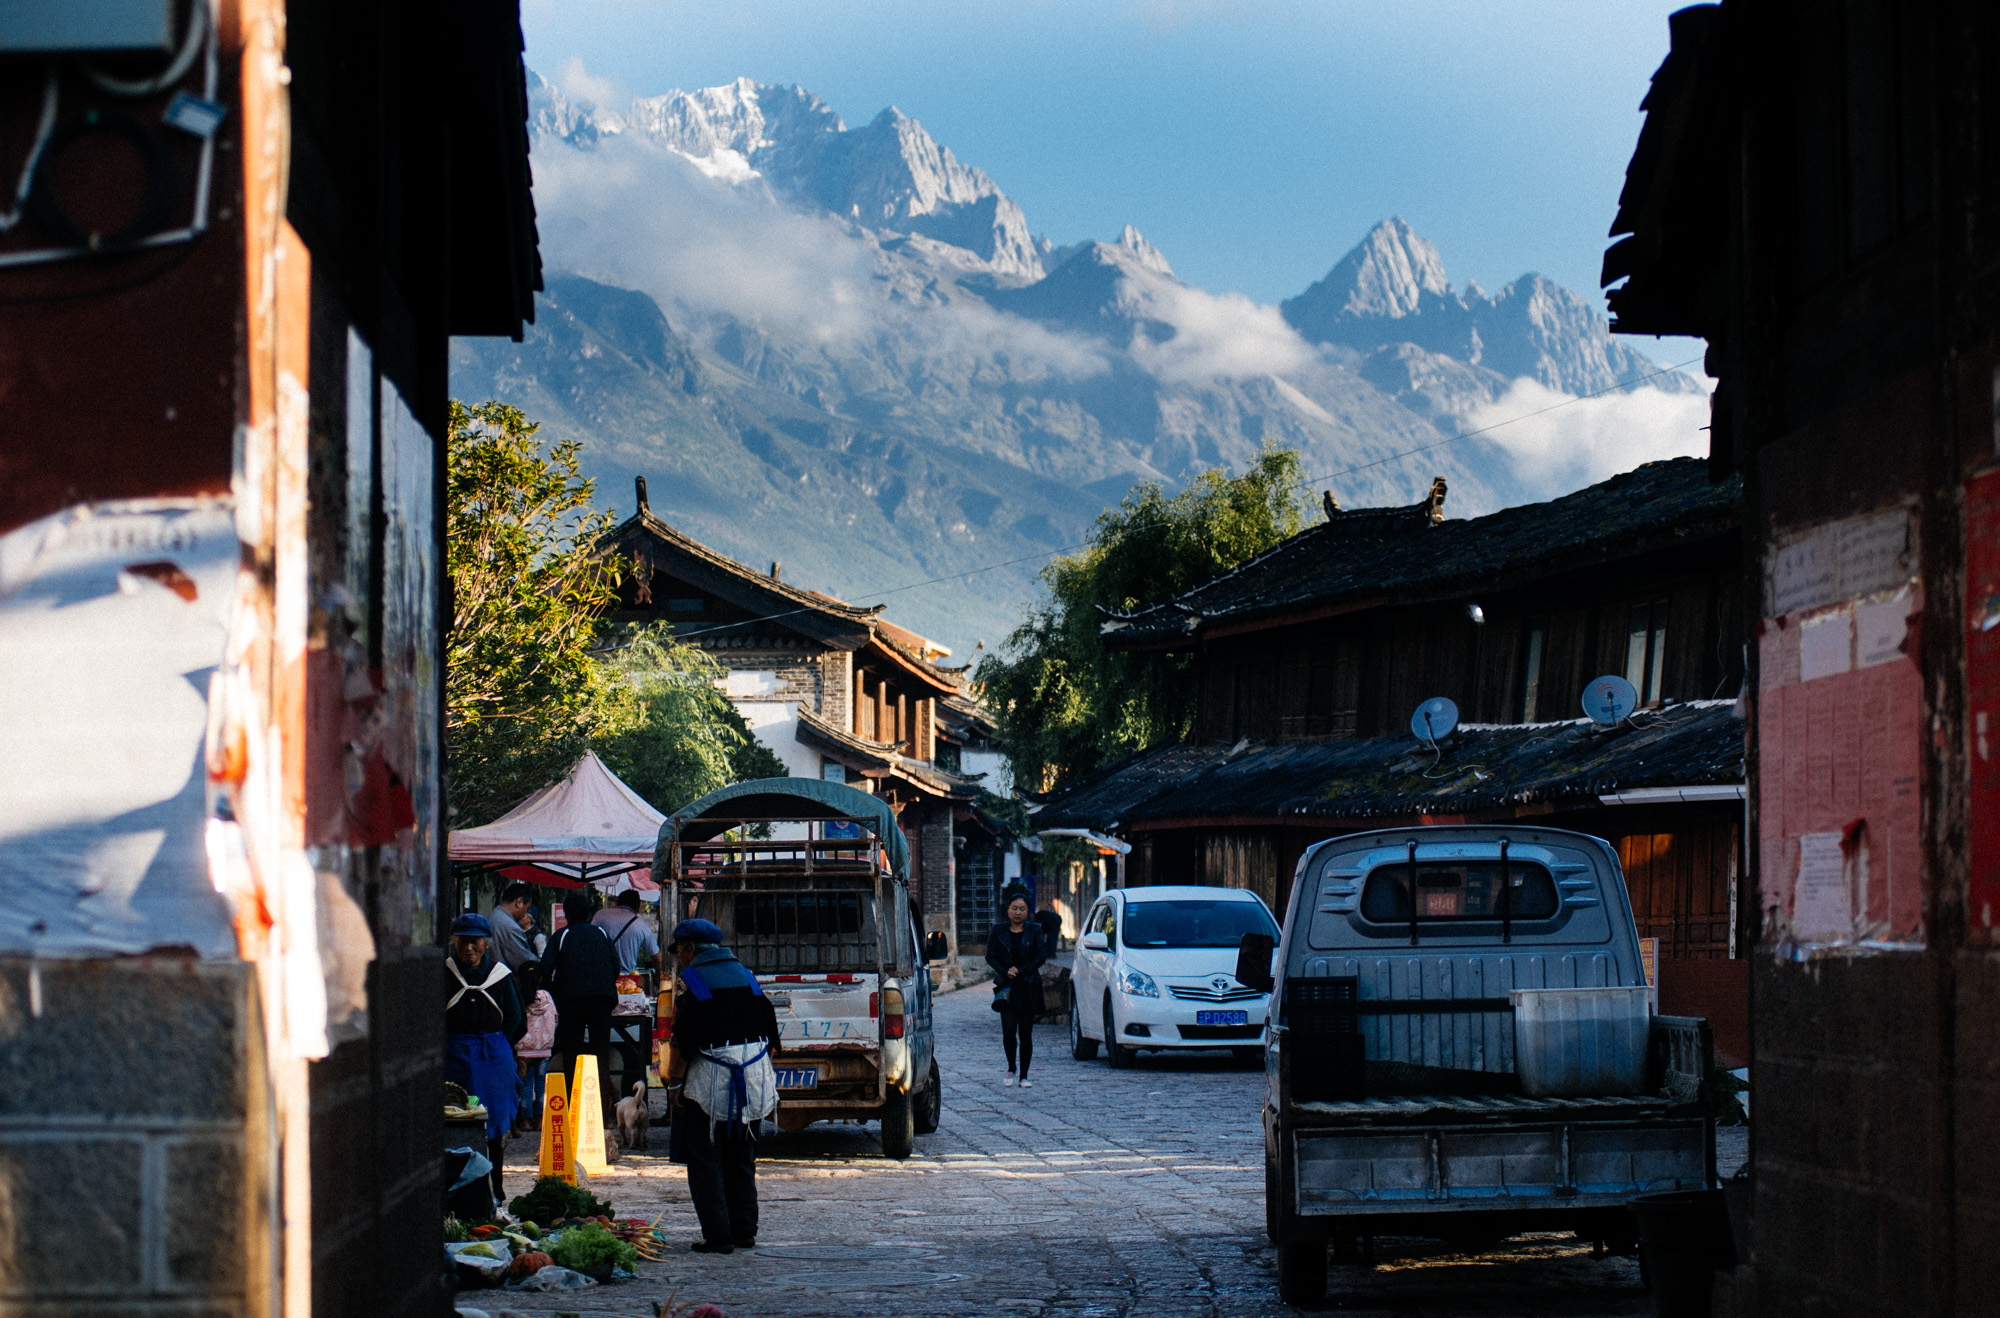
(1016, 951)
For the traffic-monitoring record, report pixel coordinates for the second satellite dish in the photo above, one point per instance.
(1434, 718)
(1610, 699)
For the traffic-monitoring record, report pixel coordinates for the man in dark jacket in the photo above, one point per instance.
(580, 971)
(725, 1030)
(482, 1018)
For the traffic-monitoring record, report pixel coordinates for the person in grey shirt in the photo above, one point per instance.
(510, 940)
(629, 931)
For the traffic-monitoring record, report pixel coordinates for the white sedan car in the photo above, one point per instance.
(1156, 968)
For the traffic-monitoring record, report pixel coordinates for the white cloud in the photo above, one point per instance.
(1216, 336)
(1560, 443)
(580, 84)
(633, 213)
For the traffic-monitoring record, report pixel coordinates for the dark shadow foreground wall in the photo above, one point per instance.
(1816, 192)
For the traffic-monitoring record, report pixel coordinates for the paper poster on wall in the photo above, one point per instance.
(1840, 717)
(113, 618)
(1821, 907)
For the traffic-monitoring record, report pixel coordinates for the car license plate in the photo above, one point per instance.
(1222, 1018)
(802, 1077)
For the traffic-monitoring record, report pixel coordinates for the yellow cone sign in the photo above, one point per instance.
(558, 1144)
(586, 1117)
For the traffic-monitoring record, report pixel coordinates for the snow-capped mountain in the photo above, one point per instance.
(889, 174)
(1391, 289)
(844, 349)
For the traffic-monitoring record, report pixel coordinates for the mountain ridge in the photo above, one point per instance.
(841, 347)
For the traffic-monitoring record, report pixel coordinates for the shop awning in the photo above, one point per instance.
(589, 818)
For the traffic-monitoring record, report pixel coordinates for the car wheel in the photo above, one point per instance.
(1302, 1271)
(1081, 1046)
(1115, 1052)
(930, 1104)
(899, 1126)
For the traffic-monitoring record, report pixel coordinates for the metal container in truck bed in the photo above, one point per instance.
(818, 908)
(1395, 1101)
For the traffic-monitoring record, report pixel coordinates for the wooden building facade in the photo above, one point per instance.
(836, 691)
(1312, 658)
(228, 311)
(1816, 192)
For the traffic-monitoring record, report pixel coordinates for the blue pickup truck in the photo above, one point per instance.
(1464, 1046)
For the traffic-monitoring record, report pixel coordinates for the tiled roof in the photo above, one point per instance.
(882, 759)
(1481, 768)
(1354, 560)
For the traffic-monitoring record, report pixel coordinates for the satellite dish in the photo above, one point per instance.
(1434, 718)
(1610, 699)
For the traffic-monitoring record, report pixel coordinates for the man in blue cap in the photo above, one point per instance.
(482, 1018)
(724, 1032)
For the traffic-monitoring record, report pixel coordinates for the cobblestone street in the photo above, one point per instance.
(1095, 1193)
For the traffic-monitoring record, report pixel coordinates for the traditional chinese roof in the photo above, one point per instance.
(1353, 562)
(1673, 214)
(1492, 770)
(649, 545)
(881, 759)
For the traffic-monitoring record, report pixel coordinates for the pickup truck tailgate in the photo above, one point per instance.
(1421, 1154)
(825, 1011)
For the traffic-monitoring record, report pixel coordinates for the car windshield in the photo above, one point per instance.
(1197, 922)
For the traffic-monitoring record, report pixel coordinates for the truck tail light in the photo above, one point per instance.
(892, 1013)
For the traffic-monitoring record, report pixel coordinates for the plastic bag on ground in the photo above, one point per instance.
(554, 1278)
(488, 1270)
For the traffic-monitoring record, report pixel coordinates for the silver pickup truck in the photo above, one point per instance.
(1464, 1047)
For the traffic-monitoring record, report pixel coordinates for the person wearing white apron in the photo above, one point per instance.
(724, 1032)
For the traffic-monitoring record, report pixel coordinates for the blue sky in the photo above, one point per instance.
(1253, 141)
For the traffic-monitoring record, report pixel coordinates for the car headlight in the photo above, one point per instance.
(1137, 983)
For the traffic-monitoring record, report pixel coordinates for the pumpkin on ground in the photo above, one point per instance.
(527, 1265)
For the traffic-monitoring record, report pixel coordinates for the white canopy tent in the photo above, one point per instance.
(587, 827)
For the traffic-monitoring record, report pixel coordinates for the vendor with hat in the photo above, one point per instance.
(482, 1018)
(724, 1032)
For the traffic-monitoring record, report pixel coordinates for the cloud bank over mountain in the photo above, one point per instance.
(844, 348)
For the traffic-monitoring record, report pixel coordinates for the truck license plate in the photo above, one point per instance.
(801, 1077)
(1222, 1018)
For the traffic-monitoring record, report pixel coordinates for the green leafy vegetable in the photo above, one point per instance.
(588, 1247)
(552, 1197)
(454, 1231)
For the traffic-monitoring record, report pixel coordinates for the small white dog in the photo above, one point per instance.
(633, 1119)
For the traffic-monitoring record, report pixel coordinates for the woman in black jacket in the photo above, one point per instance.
(1016, 951)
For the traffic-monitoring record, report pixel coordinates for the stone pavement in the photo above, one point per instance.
(1094, 1194)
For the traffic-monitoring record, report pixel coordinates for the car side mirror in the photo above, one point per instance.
(936, 948)
(1253, 962)
(1096, 941)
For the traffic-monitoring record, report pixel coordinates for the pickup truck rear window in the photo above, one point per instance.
(1459, 891)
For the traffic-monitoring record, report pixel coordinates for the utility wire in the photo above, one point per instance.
(1304, 482)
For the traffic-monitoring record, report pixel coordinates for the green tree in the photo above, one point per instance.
(532, 678)
(523, 693)
(665, 727)
(1064, 703)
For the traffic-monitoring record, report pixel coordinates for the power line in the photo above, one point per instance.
(1303, 482)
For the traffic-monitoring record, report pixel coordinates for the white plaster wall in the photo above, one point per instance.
(999, 774)
(776, 724)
